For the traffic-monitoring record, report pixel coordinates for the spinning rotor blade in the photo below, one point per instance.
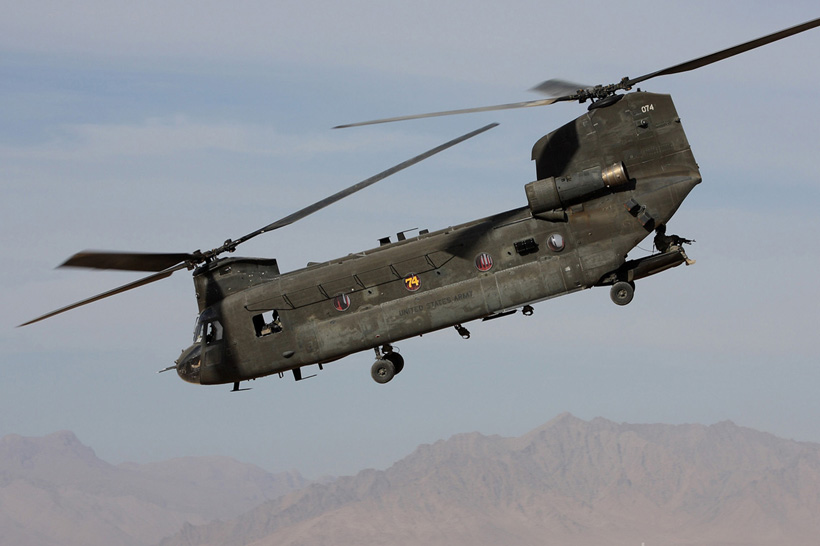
(526, 104)
(124, 288)
(128, 261)
(298, 215)
(560, 90)
(167, 263)
(726, 53)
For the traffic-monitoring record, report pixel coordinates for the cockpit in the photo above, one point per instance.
(206, 350)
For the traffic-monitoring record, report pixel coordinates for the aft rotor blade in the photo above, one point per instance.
(359, 186)
(559, 89)
(728, 52)
(136, 284)
(127, 261)
(526, 104)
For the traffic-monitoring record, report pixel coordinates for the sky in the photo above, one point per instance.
(172, 126)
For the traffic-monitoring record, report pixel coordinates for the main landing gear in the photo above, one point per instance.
(622, 292)
(388, 364)
(623, 279)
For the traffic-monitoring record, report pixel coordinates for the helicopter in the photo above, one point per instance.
(604, 182)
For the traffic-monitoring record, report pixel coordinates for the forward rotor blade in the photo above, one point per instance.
(124, 288)
(526, 104)
(728, 52)
(287, 220)
(127, 261)
(167, 263)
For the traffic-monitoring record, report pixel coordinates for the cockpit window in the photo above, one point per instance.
(197, 331)
(208, 326)
(213, 332)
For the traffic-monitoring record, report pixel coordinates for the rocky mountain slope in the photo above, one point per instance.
(567, 482)
(55, 491)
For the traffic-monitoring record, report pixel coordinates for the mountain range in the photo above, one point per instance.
(55, 491)
(568, 482)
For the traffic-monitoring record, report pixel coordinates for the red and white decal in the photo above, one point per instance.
(484, 262)
(341, 302)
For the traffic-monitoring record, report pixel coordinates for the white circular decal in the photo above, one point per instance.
(556, 242)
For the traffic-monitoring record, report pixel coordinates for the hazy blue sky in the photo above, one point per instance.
(172, 126)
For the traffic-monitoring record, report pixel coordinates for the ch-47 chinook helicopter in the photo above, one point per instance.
(605, 181)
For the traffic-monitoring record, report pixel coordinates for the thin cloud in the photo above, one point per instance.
(168, 137)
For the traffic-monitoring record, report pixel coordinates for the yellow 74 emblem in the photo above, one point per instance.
(412, 282)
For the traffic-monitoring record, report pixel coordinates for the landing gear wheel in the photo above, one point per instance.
(397, 360)
(622, 292)
(382, 371)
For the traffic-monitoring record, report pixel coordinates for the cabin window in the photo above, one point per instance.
(267, 323)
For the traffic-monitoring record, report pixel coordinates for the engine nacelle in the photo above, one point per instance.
(553, 193)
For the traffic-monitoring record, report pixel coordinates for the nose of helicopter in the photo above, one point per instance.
(189, 364)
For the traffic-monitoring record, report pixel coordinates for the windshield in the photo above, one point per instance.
(207, 326)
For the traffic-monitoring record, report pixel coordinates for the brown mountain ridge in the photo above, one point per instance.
(569, 482)
(55, 491)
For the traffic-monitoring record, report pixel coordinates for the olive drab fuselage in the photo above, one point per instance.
(604, 182)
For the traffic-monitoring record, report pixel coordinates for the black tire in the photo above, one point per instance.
(397, 360)
(622, 292)
(382, 371)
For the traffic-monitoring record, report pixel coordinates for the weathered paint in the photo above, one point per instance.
(642, 131)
